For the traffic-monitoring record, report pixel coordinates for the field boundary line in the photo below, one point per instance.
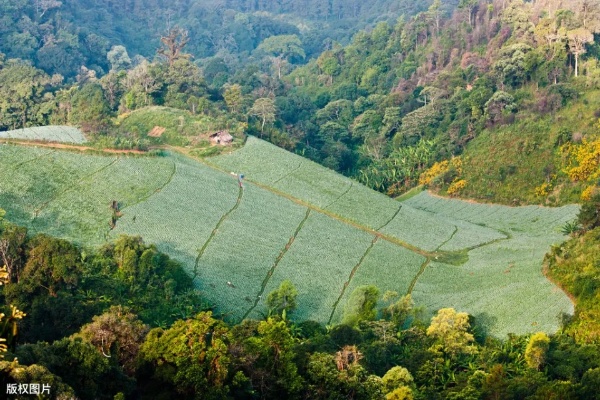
(480, 245)
(73, 186)
(391, 219)
(449, 239)
(288, 174)
(352, 272)
(282, 253)
(340, 196)
(215, 230)
(416, 278)
(18, 165)
(155, 191)
(78, 147)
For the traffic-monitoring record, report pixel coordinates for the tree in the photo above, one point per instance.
(329, 65)
(499, 104)
(284, 48)
(43, 6)
(332, 378)
(397, 377)
(450, 330)
(511, 65)
(282, 299)
(468, 6)
(589, 13)
(118, 333)
(21, 94)
(233, 97)
(264, 108)
(90, 110)
(578, 39)
(537, 347)
(361, 306)
(118, 58)
(112, 84)
(8, 319)
(12, 250)
(435, 12)
(270, 356)
(191, 356)
(141, 83)
(173, 44)
(79, 365)
(52, 265)
(589, 214)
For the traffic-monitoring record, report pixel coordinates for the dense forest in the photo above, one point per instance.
(494, 100)
(59, 37)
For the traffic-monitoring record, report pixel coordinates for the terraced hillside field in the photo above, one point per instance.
(55, 133)
(299, 221)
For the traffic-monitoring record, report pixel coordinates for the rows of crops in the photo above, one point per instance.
(245, 248)
(502, 282)
(269, 165)
(54, 133)
(265, 163)
(318, 263)
(68, 195)
(181, 216)
(238, 244)
(389, 267)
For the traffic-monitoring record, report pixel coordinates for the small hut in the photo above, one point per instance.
(221, 137)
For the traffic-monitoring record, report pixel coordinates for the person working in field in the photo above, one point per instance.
(240, 180)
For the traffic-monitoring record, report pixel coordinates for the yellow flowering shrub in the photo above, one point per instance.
(435, 170)
(583, 160)
(457, 186)
(544, 189)
(588, 193)
(440, 168)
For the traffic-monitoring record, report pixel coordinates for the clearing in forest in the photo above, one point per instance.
(299, 221)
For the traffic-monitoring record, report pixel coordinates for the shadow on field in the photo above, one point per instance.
(481, 325)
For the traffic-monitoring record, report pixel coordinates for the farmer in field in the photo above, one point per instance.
(240, 180)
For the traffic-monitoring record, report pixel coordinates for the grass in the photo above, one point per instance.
(325, 233)
(181, 127)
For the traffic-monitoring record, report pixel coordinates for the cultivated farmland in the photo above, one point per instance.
(54, 133)
(295, 220)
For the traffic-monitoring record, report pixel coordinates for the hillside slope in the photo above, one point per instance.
(299, 221)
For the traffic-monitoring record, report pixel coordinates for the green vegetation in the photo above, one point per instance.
(181, 128)
(575, 266)
(507, 267)
(524, 162)
(239, 244)
(350, 290)
(62, 134)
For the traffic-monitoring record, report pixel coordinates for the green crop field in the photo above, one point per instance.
(299, 221)
(64, 134)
